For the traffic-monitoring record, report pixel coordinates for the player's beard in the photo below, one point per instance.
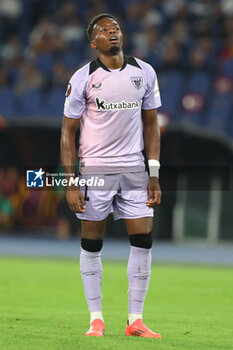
(114, 50)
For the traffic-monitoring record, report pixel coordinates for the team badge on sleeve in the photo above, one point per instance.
(137, 82)
(68, 90)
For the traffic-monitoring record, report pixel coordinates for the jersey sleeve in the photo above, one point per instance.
(75, 101)
(151, 98)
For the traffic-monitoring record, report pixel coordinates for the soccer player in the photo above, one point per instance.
(113, 99)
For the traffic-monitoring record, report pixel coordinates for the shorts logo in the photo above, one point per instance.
(137, 82)
(35, 178)
(103, 106)
(68, 90)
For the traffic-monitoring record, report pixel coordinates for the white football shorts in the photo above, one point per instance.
(124, 195)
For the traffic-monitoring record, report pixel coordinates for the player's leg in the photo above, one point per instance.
(139, 271)
(139, 225)
(91, 271)
(139, 264)
(98, 207)
(130, 205)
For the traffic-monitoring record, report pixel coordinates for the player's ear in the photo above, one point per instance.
(93, 44)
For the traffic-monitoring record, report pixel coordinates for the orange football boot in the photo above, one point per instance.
(97, 328)
(138, 329)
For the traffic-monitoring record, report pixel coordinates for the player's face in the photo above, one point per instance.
(107, 36)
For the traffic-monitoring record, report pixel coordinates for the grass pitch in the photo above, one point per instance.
(42, 307)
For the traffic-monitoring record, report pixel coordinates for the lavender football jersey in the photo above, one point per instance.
(109, 104)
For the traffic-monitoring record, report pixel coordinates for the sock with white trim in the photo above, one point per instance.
(139, 271)
(91, 272)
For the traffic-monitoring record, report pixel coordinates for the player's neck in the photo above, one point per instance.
(112, 62)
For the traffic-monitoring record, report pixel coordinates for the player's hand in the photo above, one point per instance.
(154, 192)
(75, 200)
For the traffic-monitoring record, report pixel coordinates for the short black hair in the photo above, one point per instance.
(95, 20)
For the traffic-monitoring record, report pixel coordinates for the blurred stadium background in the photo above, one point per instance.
(190, 45)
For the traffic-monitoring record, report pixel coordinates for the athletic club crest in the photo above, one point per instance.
(137, 82)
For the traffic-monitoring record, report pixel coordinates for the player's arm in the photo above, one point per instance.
(151, 134)
(68, 156)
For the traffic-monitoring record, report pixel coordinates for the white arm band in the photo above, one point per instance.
(154, 166)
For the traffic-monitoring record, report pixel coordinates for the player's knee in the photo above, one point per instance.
(92, 245)
(141, 240)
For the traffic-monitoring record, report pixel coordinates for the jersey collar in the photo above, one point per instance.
(106, 68)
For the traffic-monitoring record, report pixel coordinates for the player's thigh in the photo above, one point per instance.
(93, 229)
(130, 203)
(99, 199)
(139, 225)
